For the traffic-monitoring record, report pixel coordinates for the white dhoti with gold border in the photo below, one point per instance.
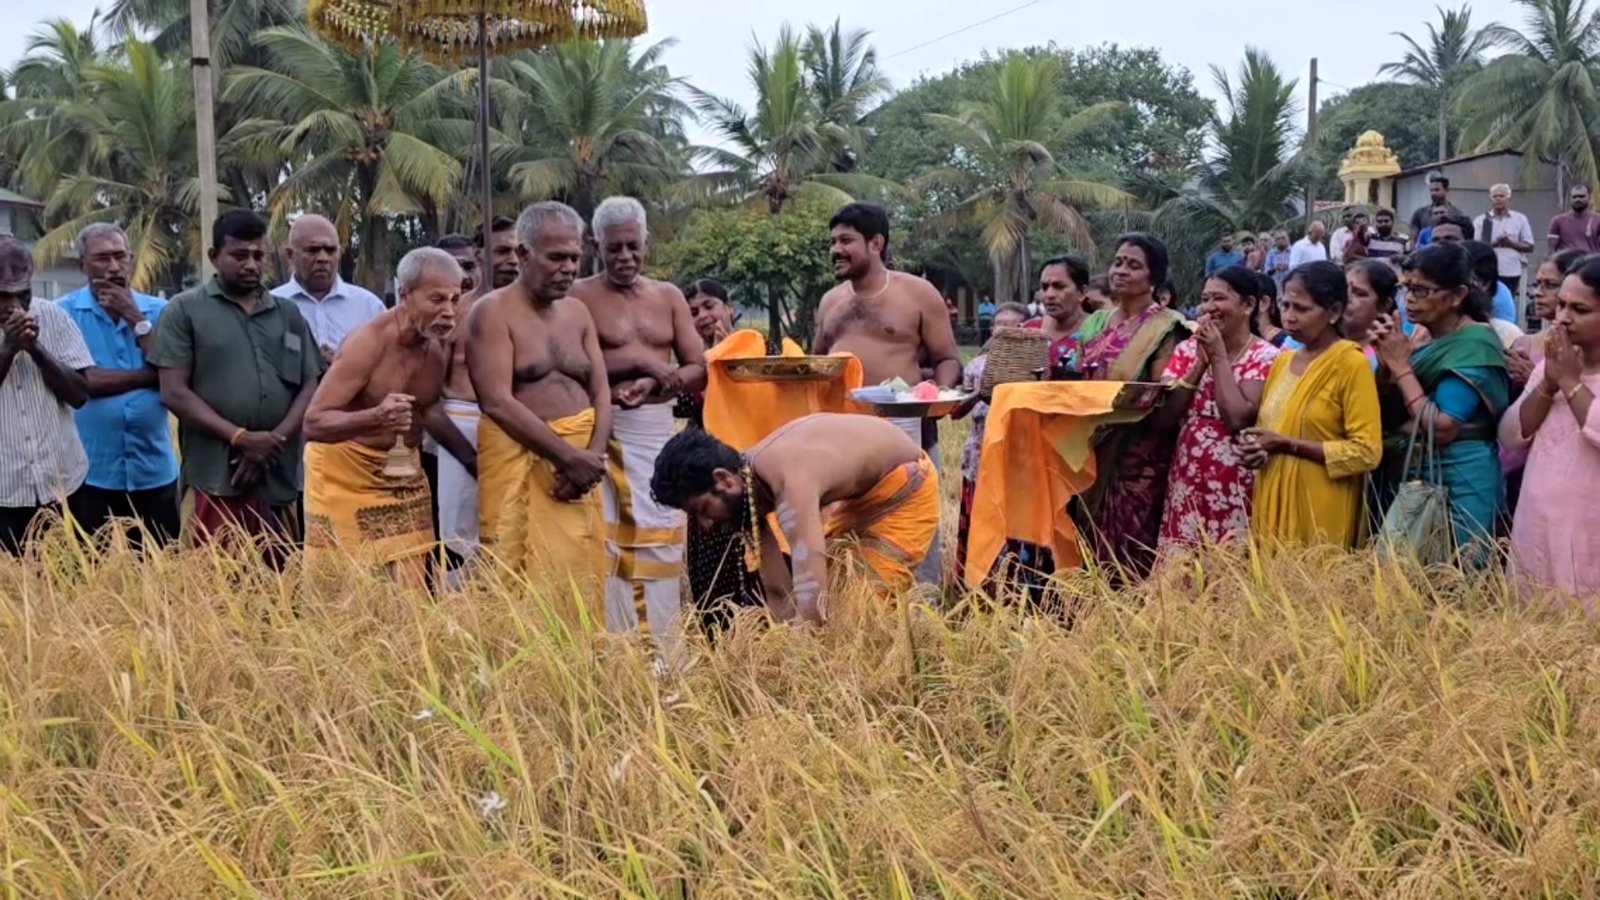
(644, 539)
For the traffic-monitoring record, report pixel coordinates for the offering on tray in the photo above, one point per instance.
(896, 399)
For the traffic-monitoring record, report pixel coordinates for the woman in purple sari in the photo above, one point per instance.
(1132, 341)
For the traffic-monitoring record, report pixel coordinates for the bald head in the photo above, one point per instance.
(313, 254)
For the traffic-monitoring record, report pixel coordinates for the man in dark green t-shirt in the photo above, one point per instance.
(238, 368)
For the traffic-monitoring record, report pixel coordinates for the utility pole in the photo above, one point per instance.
(205, 123)
(1311, 144)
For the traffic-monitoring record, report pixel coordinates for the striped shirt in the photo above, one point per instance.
(42, 460)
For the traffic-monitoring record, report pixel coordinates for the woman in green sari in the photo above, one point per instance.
(1458, 384)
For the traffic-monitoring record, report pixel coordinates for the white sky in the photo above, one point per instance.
(1351, 38)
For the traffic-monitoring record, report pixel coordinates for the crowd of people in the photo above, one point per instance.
(509, 418)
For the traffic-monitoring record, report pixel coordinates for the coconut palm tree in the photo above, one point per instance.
(1453, 52)
(234, 24)
(1541, 96)
(842, 69)
(136, 128)
(50, 83)
(1009, 182)
(587, 119)
(785, 145)
(361, 135)
(1252, 177)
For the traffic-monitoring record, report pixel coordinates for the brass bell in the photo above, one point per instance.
(400, 463)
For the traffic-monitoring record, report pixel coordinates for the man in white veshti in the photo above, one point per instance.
(653, 354)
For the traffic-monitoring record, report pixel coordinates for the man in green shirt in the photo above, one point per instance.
(238, 368)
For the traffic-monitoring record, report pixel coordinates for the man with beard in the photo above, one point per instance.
(133, 472)
(890, 320)
(499, 257)
(540, 377)
(1384, 241)
(877, 485)
(333, 308)
(1577, 229)
(653, 353)
(383, 388)
(238, 367)
(454, 486)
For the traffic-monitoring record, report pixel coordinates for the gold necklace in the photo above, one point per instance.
(750, 501)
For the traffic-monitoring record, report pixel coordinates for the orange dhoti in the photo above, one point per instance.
(894, 524)
(356, 514)
(556, 544)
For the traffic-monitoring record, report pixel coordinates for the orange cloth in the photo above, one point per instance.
(1037, 456)
(895, 523)
(742, 414)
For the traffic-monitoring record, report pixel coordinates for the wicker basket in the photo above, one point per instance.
(1015, 354)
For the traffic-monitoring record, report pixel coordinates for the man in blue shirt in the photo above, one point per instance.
(1278, 258)
(1225, 256)
(133, 472)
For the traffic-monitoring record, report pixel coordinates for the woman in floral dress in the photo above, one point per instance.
(1216, 379)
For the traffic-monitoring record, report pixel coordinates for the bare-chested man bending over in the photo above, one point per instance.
(883, 483)
(541, 380)
(891, 321)
(653, 354)
(385, 383)
(456, 493)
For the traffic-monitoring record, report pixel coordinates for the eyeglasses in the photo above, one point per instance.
(1422, 291)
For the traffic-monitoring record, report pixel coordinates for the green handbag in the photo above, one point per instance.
(1417, 524)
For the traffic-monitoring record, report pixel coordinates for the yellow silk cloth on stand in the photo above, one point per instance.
(1038, 454)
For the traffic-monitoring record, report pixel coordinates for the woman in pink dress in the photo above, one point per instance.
(1216, 379)
(1555, 537)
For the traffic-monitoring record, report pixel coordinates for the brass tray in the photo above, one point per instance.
(785, 368)
(916, 409)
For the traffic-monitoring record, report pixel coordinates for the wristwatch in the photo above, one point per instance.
(142, 328)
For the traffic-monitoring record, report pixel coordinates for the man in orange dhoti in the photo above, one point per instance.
(880, 484)
(365, 410)
(540, 378)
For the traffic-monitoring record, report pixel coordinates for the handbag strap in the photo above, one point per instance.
(1425, 418)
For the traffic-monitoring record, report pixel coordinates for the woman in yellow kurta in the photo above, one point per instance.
(1319, 431)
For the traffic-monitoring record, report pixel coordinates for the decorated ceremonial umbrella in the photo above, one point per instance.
(455, 31)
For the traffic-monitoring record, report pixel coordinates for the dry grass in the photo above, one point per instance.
(1307, 726)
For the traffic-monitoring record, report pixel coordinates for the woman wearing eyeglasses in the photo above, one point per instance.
(1456, 385)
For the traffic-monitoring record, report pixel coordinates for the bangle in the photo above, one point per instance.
(1183, 384)
(234, 441)
(1403, 373)
(1545, 392)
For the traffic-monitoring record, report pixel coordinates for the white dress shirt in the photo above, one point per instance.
(1513, 225)
(1306, 250)
(346, 308)
(41, 460)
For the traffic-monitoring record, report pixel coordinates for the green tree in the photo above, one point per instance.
(763, 257)
(1016, 185)
(136, 125)
(1252, 178)
(785, 147)
(234, 24)
(1540, 97)
(361, 135)
(842, 71)
(1454, 51)
(52, 84)
(590, 119)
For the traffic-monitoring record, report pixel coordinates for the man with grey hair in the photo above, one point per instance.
(368, 414)
(332, 307)
(42, 365)
(540, 378)
(1511, 235)
(653, 354)
(133, 472)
